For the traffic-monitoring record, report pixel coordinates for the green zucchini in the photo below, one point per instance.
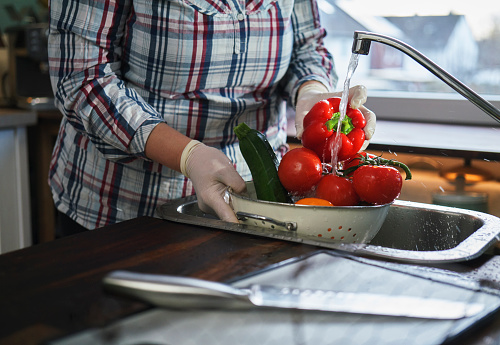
(262, 162)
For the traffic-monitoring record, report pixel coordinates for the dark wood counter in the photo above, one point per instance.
(54, 289)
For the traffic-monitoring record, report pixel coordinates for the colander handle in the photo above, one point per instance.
(290, 226)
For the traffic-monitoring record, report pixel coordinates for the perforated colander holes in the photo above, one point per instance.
(342, 237)
(263, 222)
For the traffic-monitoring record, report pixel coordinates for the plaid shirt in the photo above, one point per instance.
(120, 67)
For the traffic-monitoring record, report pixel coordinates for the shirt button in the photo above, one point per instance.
(241, 16)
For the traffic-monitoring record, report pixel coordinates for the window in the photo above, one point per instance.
(461, 37)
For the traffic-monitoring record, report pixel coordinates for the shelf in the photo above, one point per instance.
(16, 118)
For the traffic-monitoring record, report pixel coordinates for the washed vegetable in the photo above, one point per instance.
(364, 158)
(353, 163)
(376, 179)
(299, 171)
(314, 202)
(262, 162)
(377, 184)
(320, 130)
(337, 190)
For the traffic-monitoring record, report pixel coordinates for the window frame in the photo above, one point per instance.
(444, 108)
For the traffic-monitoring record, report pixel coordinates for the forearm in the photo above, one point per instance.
(310, 61)
(210, 171)
(165, 146)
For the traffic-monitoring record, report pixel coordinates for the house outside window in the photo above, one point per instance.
(467, 50)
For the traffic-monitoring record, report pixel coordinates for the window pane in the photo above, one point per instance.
(463, 37)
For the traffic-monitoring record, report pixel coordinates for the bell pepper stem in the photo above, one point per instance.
(346, 126)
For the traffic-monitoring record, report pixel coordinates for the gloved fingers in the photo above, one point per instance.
(299, 126)
(309, 94)
(215, 203)
(304, 104)
(225, 212)
(212, 172)
(303, 107)
(371, 120)
(364, 146)
(230, 177)
(305, 101)
(357, 96)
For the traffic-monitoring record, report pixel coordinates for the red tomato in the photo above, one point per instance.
(377, 184)
(356, 159)
(299, 170)
(338, 190)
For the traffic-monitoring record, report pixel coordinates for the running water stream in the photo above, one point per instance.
(353, 63)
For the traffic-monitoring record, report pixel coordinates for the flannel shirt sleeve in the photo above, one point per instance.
(84, 59)
(310, 59)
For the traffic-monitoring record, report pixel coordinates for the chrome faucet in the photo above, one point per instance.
(361, 45)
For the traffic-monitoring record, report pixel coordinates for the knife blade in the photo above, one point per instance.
(191, 293)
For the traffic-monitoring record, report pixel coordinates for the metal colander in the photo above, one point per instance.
(341, 224)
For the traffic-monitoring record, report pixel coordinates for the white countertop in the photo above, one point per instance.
(11, 117)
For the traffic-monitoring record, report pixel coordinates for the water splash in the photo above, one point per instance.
(353, 63)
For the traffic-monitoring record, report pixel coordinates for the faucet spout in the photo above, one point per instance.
(361, 45)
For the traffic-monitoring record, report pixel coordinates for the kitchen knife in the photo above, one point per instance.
(188, 293)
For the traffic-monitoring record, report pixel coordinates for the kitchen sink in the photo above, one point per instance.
(412, 232)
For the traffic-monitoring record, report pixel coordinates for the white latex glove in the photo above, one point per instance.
(211, 172)
(312, 93)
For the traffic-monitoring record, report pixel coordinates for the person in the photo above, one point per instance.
(150, 93)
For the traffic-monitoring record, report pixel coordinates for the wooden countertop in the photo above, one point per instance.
(10, 117)
(54, 289)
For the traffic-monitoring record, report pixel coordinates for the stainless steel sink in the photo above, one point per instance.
(412, 232)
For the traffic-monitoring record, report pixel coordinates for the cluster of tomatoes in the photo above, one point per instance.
(364, 179)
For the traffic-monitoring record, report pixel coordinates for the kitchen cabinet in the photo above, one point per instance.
(42, 138)
(15, 213)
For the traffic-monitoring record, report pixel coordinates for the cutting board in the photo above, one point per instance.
(324, 270)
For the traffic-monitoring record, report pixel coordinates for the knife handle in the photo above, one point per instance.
(176, 292)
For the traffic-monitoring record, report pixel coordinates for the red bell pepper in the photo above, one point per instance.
(320, 130)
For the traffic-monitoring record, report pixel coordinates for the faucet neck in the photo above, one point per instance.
(361, 45)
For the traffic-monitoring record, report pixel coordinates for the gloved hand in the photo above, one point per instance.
(211, 172)
(312, 93)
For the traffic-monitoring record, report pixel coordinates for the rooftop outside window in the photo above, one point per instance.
(461, 37)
